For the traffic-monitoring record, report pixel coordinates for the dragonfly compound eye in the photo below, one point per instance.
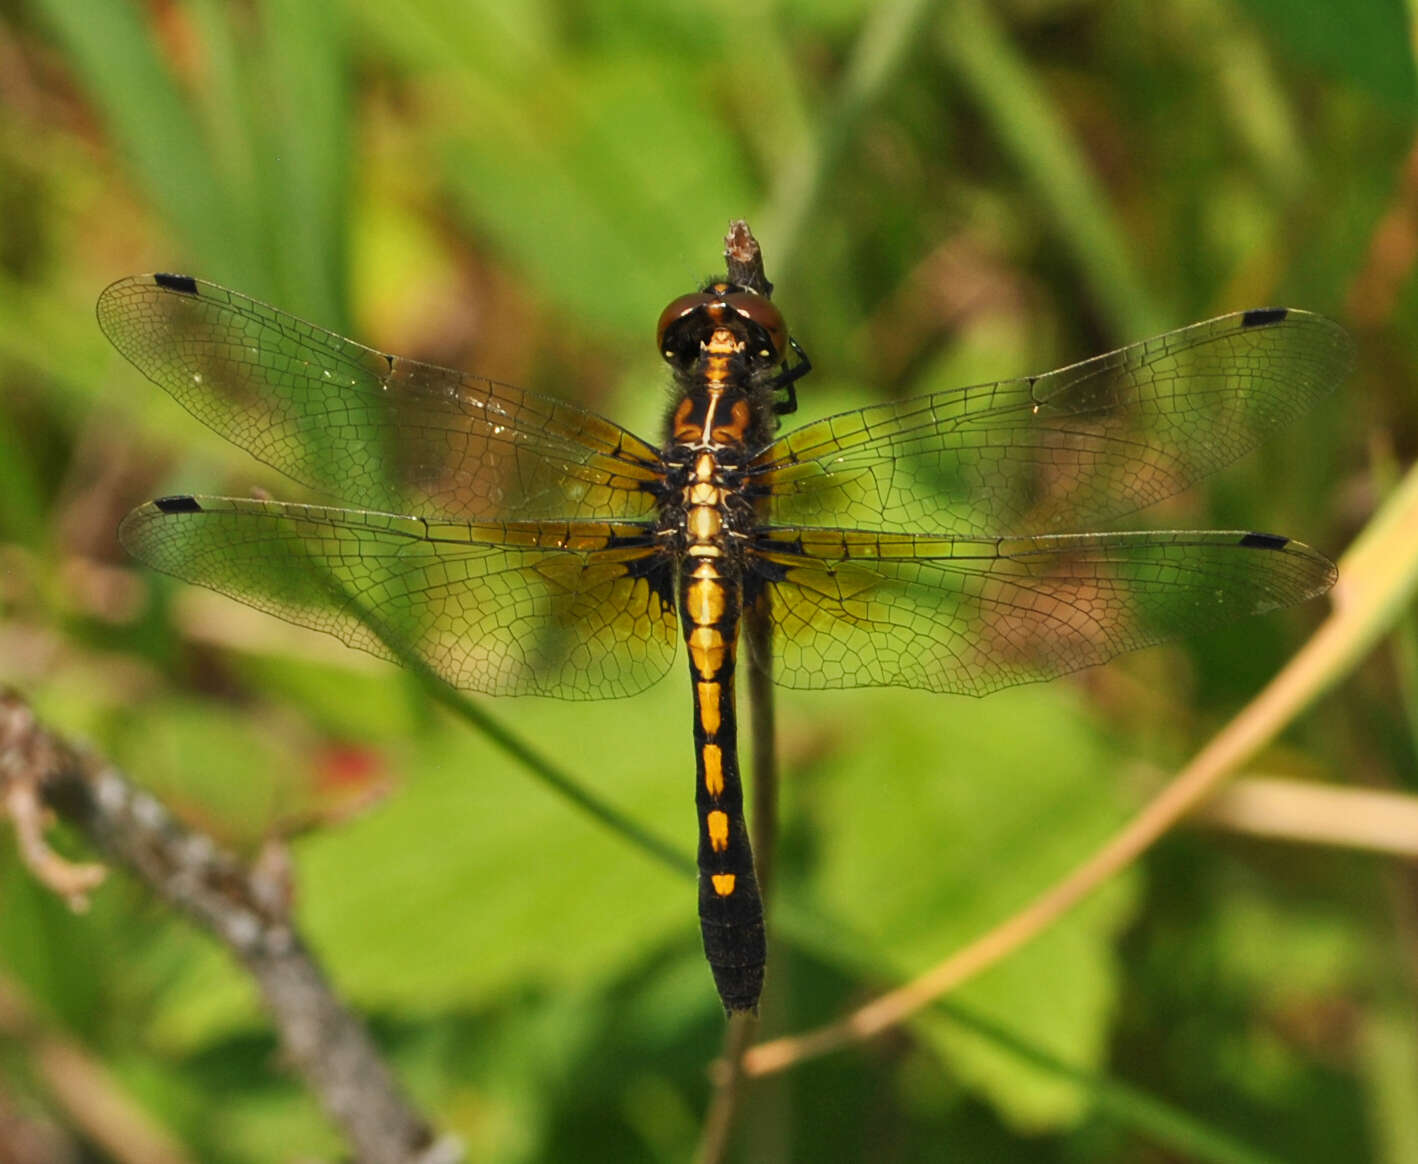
(768, 334)
(675, 335)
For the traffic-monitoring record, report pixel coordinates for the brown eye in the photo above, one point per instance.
(766, 319)
(677, 311)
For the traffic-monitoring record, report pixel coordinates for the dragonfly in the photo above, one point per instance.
(516, 543)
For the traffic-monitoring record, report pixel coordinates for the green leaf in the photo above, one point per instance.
(943, 815)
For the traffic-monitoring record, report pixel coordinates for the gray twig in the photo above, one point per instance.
(245, 907)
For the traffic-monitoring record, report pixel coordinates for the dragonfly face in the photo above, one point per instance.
(686, 324)
(519, 544)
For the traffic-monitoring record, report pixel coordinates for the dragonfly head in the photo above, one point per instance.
(687, 323)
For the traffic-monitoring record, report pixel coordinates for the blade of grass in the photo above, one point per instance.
(1375, 819)
(1405, 631)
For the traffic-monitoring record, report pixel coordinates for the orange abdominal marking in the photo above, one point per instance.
(718, 823)
(714, 769)
(704, 598)
(709, 709)
(707, 651)
(723, 883)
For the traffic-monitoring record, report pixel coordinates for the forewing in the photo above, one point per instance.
(973, 615)
(1059, 452)
(373, 430)
(580, 610)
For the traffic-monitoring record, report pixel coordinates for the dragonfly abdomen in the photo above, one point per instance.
(730, 909)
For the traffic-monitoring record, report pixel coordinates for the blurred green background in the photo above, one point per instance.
(945, 194)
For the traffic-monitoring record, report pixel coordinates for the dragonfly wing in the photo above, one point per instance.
(373, 430)
(1059, 452)
(973, 615)
(580, 610)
